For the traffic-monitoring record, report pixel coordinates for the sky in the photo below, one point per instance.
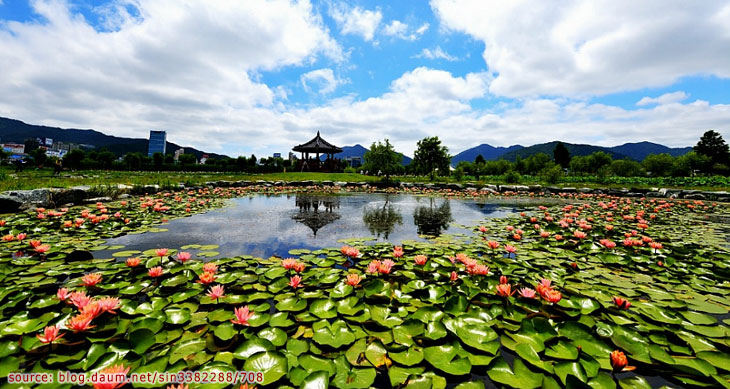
(241, 77)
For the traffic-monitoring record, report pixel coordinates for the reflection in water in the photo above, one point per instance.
(431, 220)
(382, 220)
(310, 213)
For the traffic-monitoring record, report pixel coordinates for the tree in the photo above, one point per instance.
(73, 158)
(186, 159)
(133, 161)
(479, 159)
(383, 158)
(431, 155)
(598, 160)
(659, 165)
(157, 159)
(39, 156)
(626, 168)
(105, 158)
(561, 155)
(714, 147)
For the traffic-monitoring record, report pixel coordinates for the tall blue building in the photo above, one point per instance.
(158, 141)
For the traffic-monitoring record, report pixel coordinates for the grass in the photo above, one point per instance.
(33, 179)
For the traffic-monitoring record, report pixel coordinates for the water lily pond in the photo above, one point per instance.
(263, 226)
(585, 292)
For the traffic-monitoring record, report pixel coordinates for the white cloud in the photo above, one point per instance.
(667, 98)
(436, 53)
(324, 79)
(356, 20)
(592, 47)
(401, 30)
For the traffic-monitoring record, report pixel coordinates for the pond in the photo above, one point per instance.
(272, 225)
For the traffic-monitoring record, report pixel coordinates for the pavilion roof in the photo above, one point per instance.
(318, 145)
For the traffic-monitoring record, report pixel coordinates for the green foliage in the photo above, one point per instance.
(73, 158)
(561, 155)
(713, 147)
(459, 173)
(430, 155)
(658, 165)
(512, 177)
(552, 174)
(186, 159)
(382, 158)
(627, 168)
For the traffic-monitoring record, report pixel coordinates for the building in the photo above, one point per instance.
(44, 142)
(353, 161)
(61, 146)
(314, 148)
(277, 155)
(15, 148)
(158, 142)
(178, 153)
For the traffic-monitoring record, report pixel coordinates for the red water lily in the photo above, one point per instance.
(161, 252)
(618, 360)
(210, 267)
(503, 279)
(155, 271)
(510, 249)
(80, 322)
(206, 278)
(353, 279)
(216, 292)
(79, 299)
(242, 315)
(41, 249)
(552, 296)
(351, 252)
(420, 260)
(108, 304)
(114, 377)
(505, 290)
(454, 276)
(398, 251)
(299, 267)
(621, 303)
(493, 245)
(288, 263)
(62, 294)
(91, 279)
(295, 282)
(50, 334)
(183, 256)
(133, 262)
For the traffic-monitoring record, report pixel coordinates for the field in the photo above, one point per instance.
(32, 179)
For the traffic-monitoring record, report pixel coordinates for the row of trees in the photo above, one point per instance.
(711, 155)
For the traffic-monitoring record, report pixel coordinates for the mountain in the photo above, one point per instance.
(15, 131)
(359, 151)
(640, 150)
(547, 148)
(489, 153)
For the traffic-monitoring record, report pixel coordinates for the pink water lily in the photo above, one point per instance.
(243, 314)
(50, 334)
(216, 292)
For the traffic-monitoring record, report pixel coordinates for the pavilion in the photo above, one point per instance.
(318, 146)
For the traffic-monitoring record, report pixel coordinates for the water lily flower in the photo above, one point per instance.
(510, 249)
(91, 279)
(112, 377)
(493, 245)
(398, 251)
(288, 263)
(618, 360)
(385, 266)
(552, 296)
(42, 248)
(482, 229)
(299, 267)
(558, 237)
(161, 252)
(351, 252)
(510, 228)
(353, 279)
(133, 262)
(621, 303)
(216, 292)
(79, 299)
(504, 290)
(527, 293)
(8, 237)
(21, 236)
(454, 276)
(295, 282)
(183, 256)
(206, 278)
(62, 294)
(544, 234)
(656, 246)
(155, 271)
(92, 309)
(79, 322)
(517, 237)
(478, 269)
(420, 260)
(108, 304)
(242, 315)
(503, 279)
(50, 334)
(373, 266)
(210, 267)
(580, 234)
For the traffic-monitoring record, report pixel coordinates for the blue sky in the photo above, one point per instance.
(261, 76)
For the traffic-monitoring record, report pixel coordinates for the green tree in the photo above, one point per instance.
(552, 174)
(39, 156)
(713, 147)
(186, 159)
(658, 165)
(598, 160)
(479, 159)
(157, 159)
(561, 155)
(431, 155)
(73, 158)
(383, 158)
(133, 161)
(105, 158)
(536, 162)
(626, 168)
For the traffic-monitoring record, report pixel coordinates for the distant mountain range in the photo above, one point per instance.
(636, 151)
(15, 131)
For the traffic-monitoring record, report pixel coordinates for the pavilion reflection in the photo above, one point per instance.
(382, 220)
(315, 211)
(432, 220)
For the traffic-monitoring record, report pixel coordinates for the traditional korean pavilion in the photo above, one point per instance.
(311, 152)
